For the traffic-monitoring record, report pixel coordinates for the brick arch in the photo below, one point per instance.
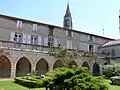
(5, 66)
(23, 66)
(41, 66)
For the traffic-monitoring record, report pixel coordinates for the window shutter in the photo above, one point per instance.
(20, 24)
(39, 40)
(94, 48)
(24, 38)
(68, 44)
(29, 39)
(46, 41)
(55, 42)
(88, 37)
(66, 32)
(72, 34)
(12, 35)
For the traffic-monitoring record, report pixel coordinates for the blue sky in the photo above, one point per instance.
(88, 15)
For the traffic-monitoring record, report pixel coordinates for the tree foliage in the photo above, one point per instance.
(112, 69)
(65, 55)
(73, 79)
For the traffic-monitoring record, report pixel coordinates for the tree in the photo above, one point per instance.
(112, 69)
(65, 55)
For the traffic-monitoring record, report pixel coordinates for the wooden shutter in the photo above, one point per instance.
(12, 36)
(29, 39)
(55, 42)
(39, 40)
(24, 38)
(46, 41)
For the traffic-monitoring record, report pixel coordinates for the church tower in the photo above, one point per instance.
(67, 23)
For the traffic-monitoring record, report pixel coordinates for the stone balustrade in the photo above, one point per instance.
(41, 48)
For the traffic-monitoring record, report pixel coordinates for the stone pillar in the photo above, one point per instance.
(13, 72)
(50, 67)
(101, 69)
(33, 68)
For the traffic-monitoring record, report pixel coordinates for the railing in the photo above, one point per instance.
(41, 48)
(22, 46)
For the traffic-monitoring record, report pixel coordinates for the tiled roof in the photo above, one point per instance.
(111, 43)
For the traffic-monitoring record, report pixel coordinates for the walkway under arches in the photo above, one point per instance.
(41, 67)
(86, 65)
(5, 67)
(23, 67)
(96, 69)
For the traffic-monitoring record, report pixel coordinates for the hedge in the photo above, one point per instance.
(28, 83)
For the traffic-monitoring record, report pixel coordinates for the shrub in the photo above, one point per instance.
(29, 82)
(112, 69)
(73, 79)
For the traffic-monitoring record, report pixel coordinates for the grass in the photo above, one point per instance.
(9, 85)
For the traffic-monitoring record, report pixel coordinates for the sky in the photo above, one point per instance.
(91, 16)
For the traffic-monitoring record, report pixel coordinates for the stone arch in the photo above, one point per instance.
(23, 67)
(73, 63)
(5, 67)
(86, 65)
(96, 69)
(42, 66)
(57, 64)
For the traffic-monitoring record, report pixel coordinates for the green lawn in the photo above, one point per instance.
(9, 85)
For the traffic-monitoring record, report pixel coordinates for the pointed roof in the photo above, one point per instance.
(68, 13)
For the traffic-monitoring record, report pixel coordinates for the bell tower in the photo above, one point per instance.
(67, 23)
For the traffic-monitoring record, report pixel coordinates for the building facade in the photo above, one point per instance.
(24, 46)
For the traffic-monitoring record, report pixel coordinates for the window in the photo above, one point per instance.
(91, 48)
(34, 39)
(113, 54)
(91, 38)
(18, 37)
(35, 27)
(51, 28)
(50, 42)
(69, 44)
(19, 24)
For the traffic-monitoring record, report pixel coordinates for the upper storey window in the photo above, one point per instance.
(35, 27)
(51, 28)
(19, 24)
(91, 38)
(18, 37)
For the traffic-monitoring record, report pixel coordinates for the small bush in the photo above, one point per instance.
(28, 82)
